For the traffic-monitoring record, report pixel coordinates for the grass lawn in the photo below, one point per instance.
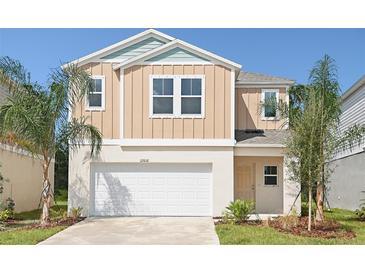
(257, 235)
(17, 234)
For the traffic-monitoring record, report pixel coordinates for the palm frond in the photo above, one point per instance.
(77, 132)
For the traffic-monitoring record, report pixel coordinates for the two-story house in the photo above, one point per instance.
(184, 133)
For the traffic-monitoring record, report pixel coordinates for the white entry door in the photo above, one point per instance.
(151, 190)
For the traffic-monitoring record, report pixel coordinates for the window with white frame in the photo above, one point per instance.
(191, 96)
(270, 97)
(96, 98)
(270, 175)
(163, 96)
(177, 96)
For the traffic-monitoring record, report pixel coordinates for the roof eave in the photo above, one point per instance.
(358, 84)
(120, 44)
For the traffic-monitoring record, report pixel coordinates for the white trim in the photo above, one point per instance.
(233, 105)
(177, 96)
(263, 117)
(262, 85)
(275, 83)
(287, 101)
(121, 107)
(271, 175)
(186, 46)
(260, 145)
(177, 142)
(259, 151)
(354, 88)
(102, 108)
(120, 45)
(165, 142)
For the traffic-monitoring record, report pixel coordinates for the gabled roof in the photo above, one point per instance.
(170, 43)
(122, 44)
(359, 83)
(181, 44)
(247, 78)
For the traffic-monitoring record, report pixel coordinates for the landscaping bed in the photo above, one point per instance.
(341, 227)
(24, 227)
(328, 229)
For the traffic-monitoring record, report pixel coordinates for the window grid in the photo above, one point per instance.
(270, 172)
(177, 96)
(96, 92)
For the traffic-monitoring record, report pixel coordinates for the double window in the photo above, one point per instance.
(177, 96)
(270, 97)
(270, 175)
(96, 98)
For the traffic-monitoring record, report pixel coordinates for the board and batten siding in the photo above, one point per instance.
(247, 110)
(215, 124)
(108, 120)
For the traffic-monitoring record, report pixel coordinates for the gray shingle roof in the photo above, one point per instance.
(268, 137)
(251, 78)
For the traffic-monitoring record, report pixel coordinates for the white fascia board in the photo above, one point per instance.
(186, 46)
(122, 44)
(178, 142)
(260, 145)
(265, 84)
(354, 88)
(166, 142)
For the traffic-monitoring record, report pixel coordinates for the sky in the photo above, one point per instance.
(289, 53)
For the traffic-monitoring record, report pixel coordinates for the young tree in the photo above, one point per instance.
(35, 118)
(314, 138)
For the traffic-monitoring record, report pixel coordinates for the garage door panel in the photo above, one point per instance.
(160, 190)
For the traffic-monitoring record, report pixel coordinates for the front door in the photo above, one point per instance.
(244, 181)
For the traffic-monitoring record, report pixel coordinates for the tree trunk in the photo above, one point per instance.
(319, 200)
(46, 195)
(309, 207)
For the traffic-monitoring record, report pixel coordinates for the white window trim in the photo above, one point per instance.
(177, 96)
(271, 175)
(102, 108)
(263, 117)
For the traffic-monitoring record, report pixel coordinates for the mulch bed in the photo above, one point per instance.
(329, 229)
(53, 223)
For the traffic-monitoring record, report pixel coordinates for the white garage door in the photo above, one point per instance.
(151, 190)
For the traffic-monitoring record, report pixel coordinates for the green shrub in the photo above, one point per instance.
(361, 213)
(76, 212)
(5, 215)
(238, 211)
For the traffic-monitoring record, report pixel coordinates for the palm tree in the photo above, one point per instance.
(35, 118)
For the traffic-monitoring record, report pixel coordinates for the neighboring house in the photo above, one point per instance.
(183, 133)
(23, 174)
(347, 183)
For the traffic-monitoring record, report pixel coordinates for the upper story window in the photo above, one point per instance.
(96, 98)
(177, 96)
(269, 96)
(270, 175)
(191, 96)
(163, 95)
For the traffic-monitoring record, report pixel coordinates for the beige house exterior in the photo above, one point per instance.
(23, 175)
(184, 134)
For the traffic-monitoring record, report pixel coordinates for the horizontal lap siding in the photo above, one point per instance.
(215, 124)
(106, 121)
(248, 115)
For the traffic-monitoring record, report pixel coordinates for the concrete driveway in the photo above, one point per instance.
(138, 231)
